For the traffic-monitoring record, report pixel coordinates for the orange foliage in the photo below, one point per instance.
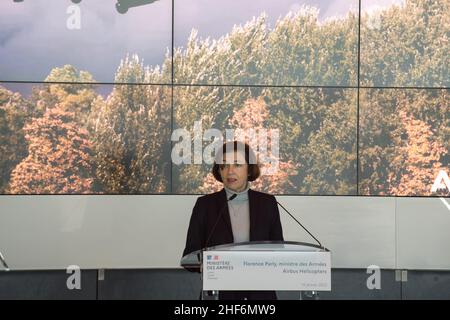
(253, 116)
(58, 157)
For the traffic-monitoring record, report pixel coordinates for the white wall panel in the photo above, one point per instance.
(52, 232)
(423, 231)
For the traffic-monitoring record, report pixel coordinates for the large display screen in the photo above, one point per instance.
(131, 96)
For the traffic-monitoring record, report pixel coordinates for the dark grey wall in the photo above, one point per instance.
(427, 285)
(177, 284)
(159, 284)
(46, 285)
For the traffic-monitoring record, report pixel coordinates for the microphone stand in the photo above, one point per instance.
(304, 228)
(214, 293)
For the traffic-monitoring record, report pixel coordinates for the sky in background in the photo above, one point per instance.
(34, 37)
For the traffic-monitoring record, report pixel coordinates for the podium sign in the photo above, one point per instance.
(267, 270)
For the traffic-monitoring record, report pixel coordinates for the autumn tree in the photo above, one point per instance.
(404, 137)
(212, 106)
(420, 154)
(58, 158)
(14, 112)
(253, 116)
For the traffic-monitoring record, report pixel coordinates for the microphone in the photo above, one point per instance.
(220, 216)
(2, 259)
(300, 224)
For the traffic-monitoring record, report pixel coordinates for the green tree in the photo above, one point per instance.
(380, 134)
(407, 45)
(330, 151)
(310, 121)
(131, 134)
(236, 58)
(301, 50)
(75, 93)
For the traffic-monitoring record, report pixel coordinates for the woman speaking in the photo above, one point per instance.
(236, 213)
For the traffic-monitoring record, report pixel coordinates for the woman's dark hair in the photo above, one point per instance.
(250, 159)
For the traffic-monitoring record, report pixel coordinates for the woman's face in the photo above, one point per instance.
(234, 171)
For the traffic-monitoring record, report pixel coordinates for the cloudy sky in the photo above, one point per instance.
(34, 37)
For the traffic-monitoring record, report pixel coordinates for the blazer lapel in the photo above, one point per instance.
(223, 203)
(253, 208)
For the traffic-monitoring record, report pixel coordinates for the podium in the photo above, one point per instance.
(262, 265)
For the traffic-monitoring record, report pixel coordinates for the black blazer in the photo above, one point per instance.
(265, 222)
(265, 225)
